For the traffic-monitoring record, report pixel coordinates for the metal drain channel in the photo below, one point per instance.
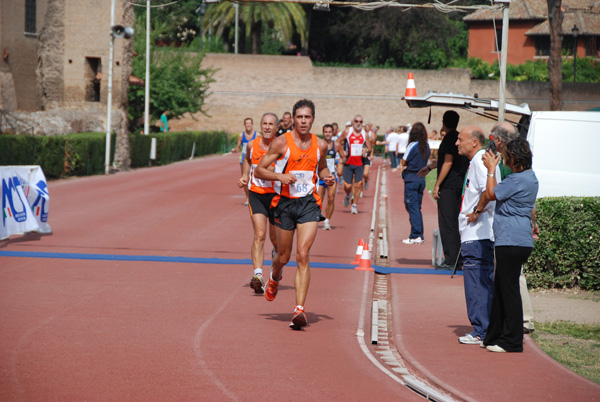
(381, 317)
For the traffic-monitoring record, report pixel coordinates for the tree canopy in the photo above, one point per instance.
(177, 81)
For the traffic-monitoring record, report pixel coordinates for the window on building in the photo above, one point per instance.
(498, 40)
(592, 46)
(542, 45)
(92, 78)
(30, 16)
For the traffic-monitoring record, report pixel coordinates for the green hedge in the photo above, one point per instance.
(567, 253)
(83, 154)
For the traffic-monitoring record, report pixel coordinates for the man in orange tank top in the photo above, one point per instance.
(261, 193)
(300, 160)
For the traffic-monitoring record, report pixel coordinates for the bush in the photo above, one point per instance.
(567, 253)
(83, 154)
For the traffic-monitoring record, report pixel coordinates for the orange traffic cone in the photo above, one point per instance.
(365, 260)
(359, 250)
(411, 90)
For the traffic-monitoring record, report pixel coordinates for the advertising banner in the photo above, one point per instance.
(25, 200)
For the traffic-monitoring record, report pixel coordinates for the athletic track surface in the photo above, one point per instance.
(141, 294)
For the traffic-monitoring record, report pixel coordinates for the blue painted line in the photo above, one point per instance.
(192, 260)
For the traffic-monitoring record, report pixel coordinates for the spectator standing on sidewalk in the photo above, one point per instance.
(415, 158)
(451, 169)
(503, 133)
(476, 235)
(514, 241)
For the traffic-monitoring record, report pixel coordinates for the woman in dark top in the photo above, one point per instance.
(415, 158)
(515, 197)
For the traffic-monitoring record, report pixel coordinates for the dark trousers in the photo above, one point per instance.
(448, 209)
(506, 319)
(393, 160)
(413, 198)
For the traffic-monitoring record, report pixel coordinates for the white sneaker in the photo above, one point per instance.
(326, 226)
(361, 194)
(418, 240)
(495, 348)
(347, 200)
(469, 339)
(354, 210)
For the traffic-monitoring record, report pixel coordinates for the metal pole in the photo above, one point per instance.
(201, 30)
(575, 57)
(147, 78)
(237, 17)
(109, 98)
(503, 56)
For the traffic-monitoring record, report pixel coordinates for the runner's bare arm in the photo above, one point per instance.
(340, 145)
(324, 173)
(276, 150)
(243, 181)
(239, 144)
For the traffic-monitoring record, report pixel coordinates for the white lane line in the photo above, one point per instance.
(198, 348)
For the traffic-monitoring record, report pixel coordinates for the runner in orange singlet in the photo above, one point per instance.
(260, 196)
(299, 158)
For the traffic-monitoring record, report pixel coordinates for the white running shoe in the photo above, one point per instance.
(326, 225)
(354, 210)
(347, 200)
(469, 339)
(417, 240)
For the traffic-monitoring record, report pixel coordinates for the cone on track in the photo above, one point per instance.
(411, 90)
(365, 260)
(359, 250)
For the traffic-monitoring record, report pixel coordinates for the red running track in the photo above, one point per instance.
(143, 296)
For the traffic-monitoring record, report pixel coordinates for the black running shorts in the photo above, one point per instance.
(290, 211)
(261, 204)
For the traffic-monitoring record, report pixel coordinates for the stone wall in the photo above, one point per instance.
(250, 85)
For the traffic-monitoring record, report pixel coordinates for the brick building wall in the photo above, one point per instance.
(19, 52)
(482, 41)
(250, 85)
(55, 67)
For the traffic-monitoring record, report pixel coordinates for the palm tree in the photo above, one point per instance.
(284, 17)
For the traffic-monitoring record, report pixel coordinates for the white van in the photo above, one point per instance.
(564, 144)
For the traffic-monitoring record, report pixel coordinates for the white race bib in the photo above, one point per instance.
(260, 182)
(304, 183)
(356, 149)
(331, 165)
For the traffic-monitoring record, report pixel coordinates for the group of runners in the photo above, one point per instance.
(286, 171)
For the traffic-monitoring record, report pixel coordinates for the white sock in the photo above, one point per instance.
(257, 271)
(299, 307)
(326, 220)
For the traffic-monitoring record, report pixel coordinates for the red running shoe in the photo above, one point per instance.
(271, 289)
(299, 319)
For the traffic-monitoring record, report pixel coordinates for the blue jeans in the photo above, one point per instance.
(393, 160)
(478, 269)
(413, 198)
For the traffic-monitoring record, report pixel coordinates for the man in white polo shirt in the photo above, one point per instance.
(476, 235)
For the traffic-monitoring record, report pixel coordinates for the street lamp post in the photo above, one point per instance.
(575, 31)
(202, 11)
